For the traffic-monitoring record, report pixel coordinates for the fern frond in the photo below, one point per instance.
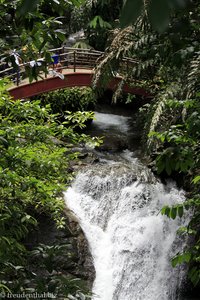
(124, 43)
(144, 41)
(118, 91)
(110, 62)
(194, 77)
(142, 67)
(162, 98)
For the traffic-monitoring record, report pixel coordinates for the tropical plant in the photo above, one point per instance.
(176, 150)
(71, 99)
(133, 9)
(191, 253)
(34, 171)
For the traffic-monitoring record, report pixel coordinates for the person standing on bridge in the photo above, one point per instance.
(56, 64)
(16, 61)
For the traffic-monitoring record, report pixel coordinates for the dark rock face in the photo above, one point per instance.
(80, 264)
(113, 143)
(85, 268)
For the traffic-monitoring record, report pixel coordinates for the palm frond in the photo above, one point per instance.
(170, 92)
(194, 76)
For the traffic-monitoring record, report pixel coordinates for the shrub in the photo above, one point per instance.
(33, 175)
(71, 99)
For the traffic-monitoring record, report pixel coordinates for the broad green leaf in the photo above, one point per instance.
(181, 258)
(186, 257)
(48, 57)
(165, 210)
(60, 34)
(100, 22)
(175, 261)
(28, 6)
(177, 165)
(173, 212)
(196, 179)
(159, 13)
(168, 167)
(182, 229)
(160, 165)
(93, 22)
(77, 2)
(180, 211)
(187, 230)
(130, 12)
(3, 141)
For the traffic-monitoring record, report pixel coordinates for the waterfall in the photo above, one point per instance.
(118, 206)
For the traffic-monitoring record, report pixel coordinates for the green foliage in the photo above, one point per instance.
(98, 21)
(51, 256)
(44, 274)
(162, 60)
(131, 11)
(191, 254)
(52, 259)
(33, 175)
(25, 6)
(82, 45)
(70, 99)
(79, 119)
(179, 156)
(157, 11)
(196, 179)
(177, 152)
(102, 17)
(32, 27)
(177, 147)
(181, 258)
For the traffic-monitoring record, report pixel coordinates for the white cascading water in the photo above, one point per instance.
(118, 206)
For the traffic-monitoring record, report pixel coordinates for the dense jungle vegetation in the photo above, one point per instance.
(163, 38)
(35, 148)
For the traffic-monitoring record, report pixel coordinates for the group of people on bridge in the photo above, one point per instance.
(14, 64)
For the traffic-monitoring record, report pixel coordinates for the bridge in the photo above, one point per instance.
(76, 68)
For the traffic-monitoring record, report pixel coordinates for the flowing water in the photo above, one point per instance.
(117, 203)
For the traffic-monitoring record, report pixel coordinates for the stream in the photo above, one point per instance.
(117, 202)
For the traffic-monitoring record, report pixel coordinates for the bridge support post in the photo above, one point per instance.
(18, 75)
(74, 61)
(46, 69)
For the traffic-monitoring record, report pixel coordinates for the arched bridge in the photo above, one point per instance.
(75, 68)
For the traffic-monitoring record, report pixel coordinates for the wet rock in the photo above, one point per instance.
(84, 158)
(91, 158)
(80, 262)
(126, 172)
(113, 144)
(85, 261)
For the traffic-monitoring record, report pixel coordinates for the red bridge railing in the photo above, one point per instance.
(69, 58)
